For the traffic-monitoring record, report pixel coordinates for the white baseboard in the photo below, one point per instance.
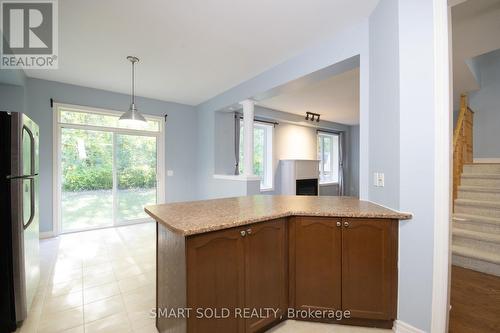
(46, 234)
(486, 160)
(402, 327)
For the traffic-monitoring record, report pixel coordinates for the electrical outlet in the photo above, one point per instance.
(170, 173)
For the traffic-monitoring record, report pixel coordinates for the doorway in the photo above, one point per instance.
(106, 173)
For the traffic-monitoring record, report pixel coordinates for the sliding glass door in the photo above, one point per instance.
(136, 164)
(106, 173)
(87, 179)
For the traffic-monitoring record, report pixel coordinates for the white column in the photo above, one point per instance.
(248, 114)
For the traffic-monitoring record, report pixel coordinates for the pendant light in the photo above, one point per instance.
(133, 118)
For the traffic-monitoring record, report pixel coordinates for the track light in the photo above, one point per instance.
(310, 116)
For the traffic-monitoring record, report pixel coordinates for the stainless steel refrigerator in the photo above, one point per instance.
(19, 179)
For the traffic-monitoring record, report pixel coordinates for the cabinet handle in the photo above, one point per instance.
(339, 224)
(249, 231)
(346, 224)
(243, 233)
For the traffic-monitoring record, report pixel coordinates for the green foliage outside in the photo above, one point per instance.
(258, 148)
(87, 160)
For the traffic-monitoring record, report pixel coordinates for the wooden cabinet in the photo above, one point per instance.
(237, 268)
(265, 271)
(215, 279)
(369, 268)
(315, 263)
(344, 264)
(306, 263)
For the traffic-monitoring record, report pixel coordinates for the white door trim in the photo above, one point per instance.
(56, 157)
(442, 166)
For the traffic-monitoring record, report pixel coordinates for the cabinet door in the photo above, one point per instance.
(215, 279)
(315, 263)
(265, 271)
(369, 268)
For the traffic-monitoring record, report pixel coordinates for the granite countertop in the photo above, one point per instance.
(196, 217)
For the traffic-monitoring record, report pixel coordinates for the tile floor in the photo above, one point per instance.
(96, 281)
(104, 281)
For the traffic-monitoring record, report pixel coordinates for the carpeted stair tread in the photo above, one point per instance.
(473, 218)
(476, 254)
(481, 175)
(477, 235)
(478, 203)
(479, 188)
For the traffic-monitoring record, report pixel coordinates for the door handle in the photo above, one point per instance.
(243, 233)
(339, 223)
(346, 224)
(32, 204)
(249, 231)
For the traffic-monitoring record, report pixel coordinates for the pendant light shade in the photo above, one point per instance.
(133, 117)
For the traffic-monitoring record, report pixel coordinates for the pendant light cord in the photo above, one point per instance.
(133, 80)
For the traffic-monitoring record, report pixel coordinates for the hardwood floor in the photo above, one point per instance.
(475, 301)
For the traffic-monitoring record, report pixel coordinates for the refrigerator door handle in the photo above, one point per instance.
(32, 204)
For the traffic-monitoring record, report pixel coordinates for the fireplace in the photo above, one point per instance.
(306, 186)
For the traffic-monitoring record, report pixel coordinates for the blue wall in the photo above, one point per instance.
(384, 101)
(12, 98)
(402, 141)
(486, 104)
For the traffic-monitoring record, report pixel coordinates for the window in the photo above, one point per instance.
(328, 154)
(105, 172)
(262, 153)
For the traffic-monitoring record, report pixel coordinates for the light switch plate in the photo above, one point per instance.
(170, 173)
(380, 180)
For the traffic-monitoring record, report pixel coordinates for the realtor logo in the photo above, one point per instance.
(29, 34)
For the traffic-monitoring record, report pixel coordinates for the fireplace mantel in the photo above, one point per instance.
(293, 170)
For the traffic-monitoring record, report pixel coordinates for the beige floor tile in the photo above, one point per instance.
(144, 306)
(112, 324)
(64, 288)
(96, 261)
(124, 262)
(97, 269)
(104, 308)
(97, 279)
(138, 320)
(61, 303)
(294, 326)
(79, 329)
(60, 321)
(100, 292)
(30, 325)
(62, 275)
(133, 282)
(149, 328)
(125, 272)
(148, 290)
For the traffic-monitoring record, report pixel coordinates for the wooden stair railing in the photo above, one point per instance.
(462, 142)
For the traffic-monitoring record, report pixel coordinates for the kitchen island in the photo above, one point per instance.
(244, 264)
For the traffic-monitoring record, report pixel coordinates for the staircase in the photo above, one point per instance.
(476, 219)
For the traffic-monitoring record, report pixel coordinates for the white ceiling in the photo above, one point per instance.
(190, 50)
(335, 98)
(475, 31)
